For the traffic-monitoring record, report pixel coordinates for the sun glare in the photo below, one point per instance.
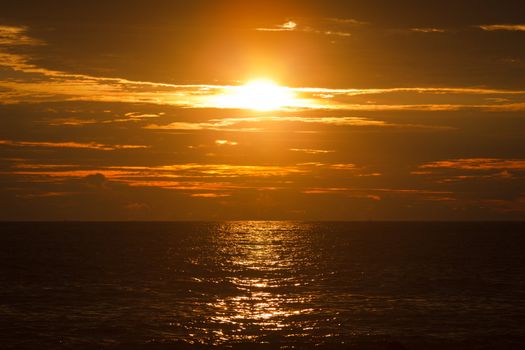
(260, 95)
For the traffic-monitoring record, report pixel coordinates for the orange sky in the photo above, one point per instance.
(281, 110)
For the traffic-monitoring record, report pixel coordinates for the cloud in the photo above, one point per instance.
(428, 30)
(330, 32)
(311, 151)
(15, 36)
(126, 117)
(233, 124)
(225, 143)
(347, 192)
(44, 194)
(88, 145)
(264, 123)
(96, 180)
(72, 121)
(507, 27)
(377, 194)
(135, 116)
(346, 21)
(210, 195)
(503, 175)
(341, 166)
(286, 26)
(293, 26)
(477, 164)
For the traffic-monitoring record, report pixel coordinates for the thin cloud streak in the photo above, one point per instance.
(311, 151)
(346, 21)
(378, 194)
(89, 145)
(477, 164)
(505, 27)
(287, 26)
(428, 30)
(238, 124)
(290, 26)
(210, 195)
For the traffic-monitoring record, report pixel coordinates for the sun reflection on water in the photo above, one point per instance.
(263, 262)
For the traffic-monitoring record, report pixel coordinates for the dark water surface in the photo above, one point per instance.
(262, 285)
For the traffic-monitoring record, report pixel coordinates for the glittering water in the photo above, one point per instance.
(262, 285)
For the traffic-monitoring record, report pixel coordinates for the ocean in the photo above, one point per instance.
(259, 285)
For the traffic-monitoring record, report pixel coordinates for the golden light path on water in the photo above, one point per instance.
(265, 265)
(257, 251)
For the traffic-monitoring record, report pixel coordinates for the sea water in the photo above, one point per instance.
(355, 285)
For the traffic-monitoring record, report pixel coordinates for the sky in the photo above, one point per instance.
(276, 110)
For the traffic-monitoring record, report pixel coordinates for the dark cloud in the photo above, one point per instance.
(95, 180)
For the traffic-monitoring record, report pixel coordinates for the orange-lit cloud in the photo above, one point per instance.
(341, 166)
(346, 21)
(88, 145)
(225, 143)
(478, 164)
(311, 151)
(377, 194)
(210, 195)
(507, 27)
(428, 30)
(126, 117)
(141, 116)
(239, 124)
(293, 26)
(72, 121)
(45, 194)
(287, 26)
(15, 36)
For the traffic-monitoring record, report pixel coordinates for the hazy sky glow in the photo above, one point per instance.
(283, 110)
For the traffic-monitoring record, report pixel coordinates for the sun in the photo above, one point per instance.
(260, 95)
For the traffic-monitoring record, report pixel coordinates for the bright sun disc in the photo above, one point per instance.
(261, 95)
